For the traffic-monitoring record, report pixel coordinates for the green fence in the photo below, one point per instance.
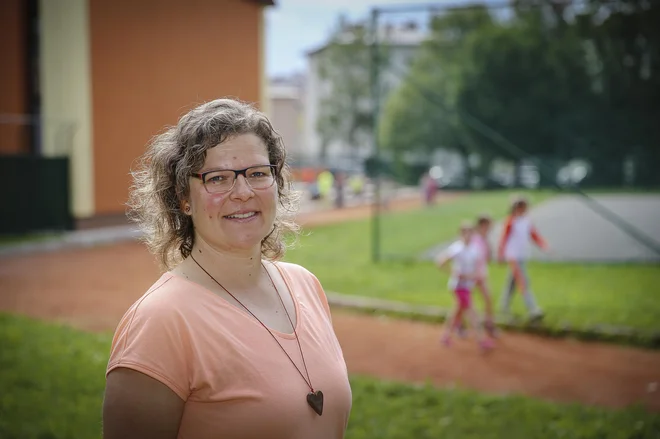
(35, 193)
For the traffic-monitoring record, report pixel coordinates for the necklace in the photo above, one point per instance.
(314, 398)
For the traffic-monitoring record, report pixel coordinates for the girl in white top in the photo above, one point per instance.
(514, 250)
(463, 275)
(480, 243)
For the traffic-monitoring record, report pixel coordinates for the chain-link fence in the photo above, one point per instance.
(526, 94)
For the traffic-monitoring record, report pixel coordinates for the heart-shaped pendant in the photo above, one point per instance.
(315, 401)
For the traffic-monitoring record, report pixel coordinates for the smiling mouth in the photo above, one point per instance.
(241, 215)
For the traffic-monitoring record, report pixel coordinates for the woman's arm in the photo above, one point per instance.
(138, 406)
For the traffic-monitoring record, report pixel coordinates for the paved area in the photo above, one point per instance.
(577, 233)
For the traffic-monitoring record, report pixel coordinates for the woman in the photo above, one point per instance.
(227, 343)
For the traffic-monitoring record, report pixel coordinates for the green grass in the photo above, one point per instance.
(577, 295)
(11, 240)
(407, 234)
(52, 381)
(404, 411)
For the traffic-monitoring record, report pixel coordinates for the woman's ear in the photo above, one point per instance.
(185, 207)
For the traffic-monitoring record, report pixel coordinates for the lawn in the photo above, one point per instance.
(52, 381)
(11, 240)
(573, 294)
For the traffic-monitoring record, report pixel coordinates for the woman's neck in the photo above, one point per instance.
(236, 270)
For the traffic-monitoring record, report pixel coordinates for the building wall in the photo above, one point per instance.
(312, 104)
(13, 76)
(264, 102)
(66, 105)
(152, 61)
(287, 120)
(286, 102)
(338, 152)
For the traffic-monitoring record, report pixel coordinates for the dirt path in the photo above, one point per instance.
(91, 289)
(557, 370)
(331, 216)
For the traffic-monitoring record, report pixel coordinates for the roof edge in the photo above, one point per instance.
(264, 2)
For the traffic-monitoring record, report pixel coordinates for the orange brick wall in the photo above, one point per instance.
(13, 74)
(151, 61)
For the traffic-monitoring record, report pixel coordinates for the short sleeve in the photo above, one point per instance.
(152, 338)
(307, 280)
(451, 251)
(321, 295)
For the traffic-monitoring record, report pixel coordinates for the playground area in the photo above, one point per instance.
(580, 233)
(91, 287)
(474, 181)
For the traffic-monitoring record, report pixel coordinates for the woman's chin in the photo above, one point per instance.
(246, 244)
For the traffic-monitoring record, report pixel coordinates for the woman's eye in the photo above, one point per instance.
(216, 178)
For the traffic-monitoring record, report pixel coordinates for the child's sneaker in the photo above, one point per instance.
(461, 331)
(491, 329)
(487, 344)
(536, 316)
(445, 340)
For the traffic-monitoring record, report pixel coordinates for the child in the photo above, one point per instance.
(463, 274)
(514, 250)
(481, 246)
(480, 243)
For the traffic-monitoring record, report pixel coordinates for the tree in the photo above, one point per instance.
(624, 43)
(345, 112)
(420, 115)
(528, 81)
(556, 83)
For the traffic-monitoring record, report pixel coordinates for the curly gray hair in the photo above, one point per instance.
(161, 181)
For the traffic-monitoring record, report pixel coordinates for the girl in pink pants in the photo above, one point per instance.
(463, 275)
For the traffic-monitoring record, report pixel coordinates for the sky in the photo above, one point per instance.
(294, 27)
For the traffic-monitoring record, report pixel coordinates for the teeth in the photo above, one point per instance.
(242, 215)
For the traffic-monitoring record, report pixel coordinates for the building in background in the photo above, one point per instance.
(402, 41)
(286, 112)
(95, 80)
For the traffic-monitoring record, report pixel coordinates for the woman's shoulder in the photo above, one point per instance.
(299, 276)
(166, 297)
(304, 283)
(166, 308)
(294, 270)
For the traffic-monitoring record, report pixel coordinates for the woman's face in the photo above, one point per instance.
(238, 220)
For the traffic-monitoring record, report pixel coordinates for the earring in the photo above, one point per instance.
(187, 209)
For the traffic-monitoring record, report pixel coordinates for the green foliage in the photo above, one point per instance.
(554, 81)
(345, 111)
(539, 76)
(52, 381)
(420, 115)
(624, 47)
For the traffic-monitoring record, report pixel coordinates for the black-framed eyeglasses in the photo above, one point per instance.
(218, 181)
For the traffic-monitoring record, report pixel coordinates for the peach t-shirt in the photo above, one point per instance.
(235, 380)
